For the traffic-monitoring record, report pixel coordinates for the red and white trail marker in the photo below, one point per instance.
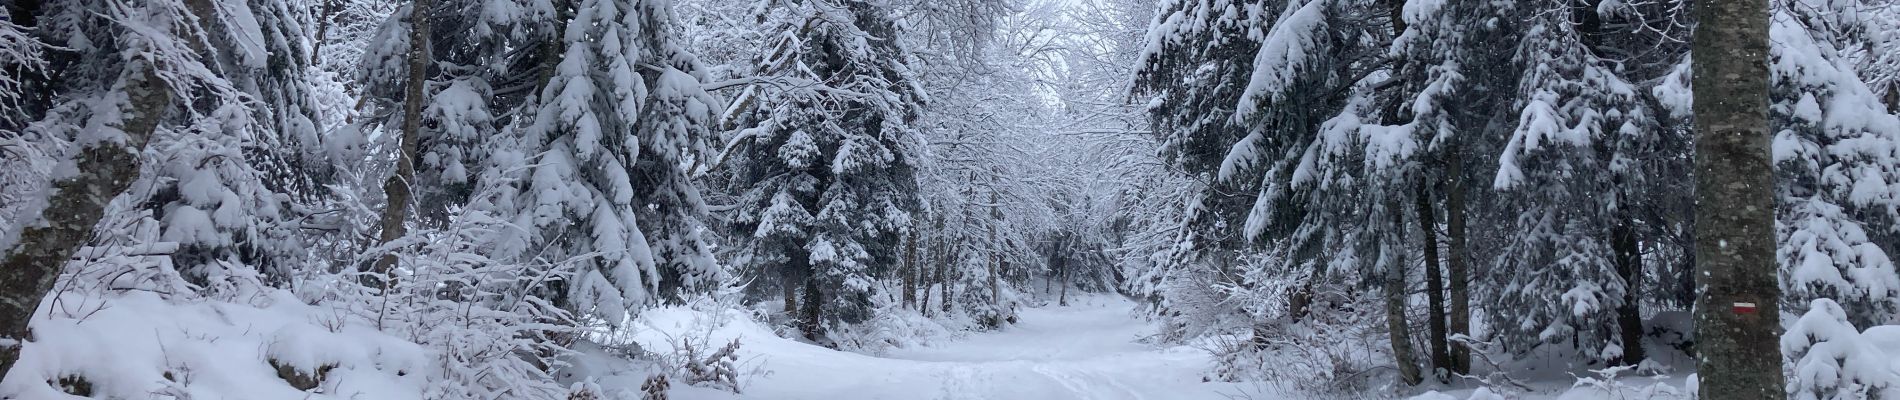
(1744, 308)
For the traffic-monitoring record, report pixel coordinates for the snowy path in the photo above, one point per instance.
(1085, 351)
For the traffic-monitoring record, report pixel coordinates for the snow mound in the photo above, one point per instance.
(139, 345)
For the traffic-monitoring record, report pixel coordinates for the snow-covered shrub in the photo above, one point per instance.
(716, 369)
(654, 388)
(1607, 382)
(895, 327)
(696, 352)
(123, 322)
(1245, 322)
(1327, 353)
(988, 313)
(485, 320)
(1834, 361)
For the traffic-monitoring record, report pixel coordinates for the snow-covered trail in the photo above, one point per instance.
(1085, 351)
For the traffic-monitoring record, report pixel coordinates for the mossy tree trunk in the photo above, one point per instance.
(104, 169)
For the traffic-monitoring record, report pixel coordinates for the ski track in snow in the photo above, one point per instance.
(1084, 351)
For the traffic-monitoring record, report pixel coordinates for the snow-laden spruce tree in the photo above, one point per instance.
(1196, 60)
(589, 110)
(598, 163)
(236, 187)
(1836, 158)
(1583, 177)
(1315, 153)
(675, 129)
(828, 168)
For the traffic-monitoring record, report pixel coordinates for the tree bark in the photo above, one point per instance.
(812, 322)
(790, 287)
(1460, 312)
(996, 254)
(793, 276)
(1300, 302)
(910, 270)
(1629, 266)
(1434, 286)
(1062, 271)
(397, 190)
(1893, 97)
(1400, 332)
(1049, 282)
(1737, 317)
(924, 274)
(325, 16)
(104, 169)
(945, 278)
(1395, 268)
(1063, 300)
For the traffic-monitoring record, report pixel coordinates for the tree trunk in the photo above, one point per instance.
(1300, 302)
(1395, 270)
(928, 278)
(1629, 265)
(943, 275)
(1064, 299)
(790, 286)
(1049, 281)
(1893, 97)
(1400, 332)
(1434, 286)
(910, 270)
(812, 322)
(1736, 316)
(996, 254)
(397, 189)
(793, 276)
(1455, 258)
(325, 18)
(104, 169)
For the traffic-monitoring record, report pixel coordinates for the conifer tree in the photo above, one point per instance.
(828, 174)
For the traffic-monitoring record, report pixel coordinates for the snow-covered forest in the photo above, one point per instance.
(949, 199)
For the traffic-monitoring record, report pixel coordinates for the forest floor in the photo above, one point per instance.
(1091, 349)
(1088, 350)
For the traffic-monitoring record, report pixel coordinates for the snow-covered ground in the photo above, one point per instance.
(1088, 350)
